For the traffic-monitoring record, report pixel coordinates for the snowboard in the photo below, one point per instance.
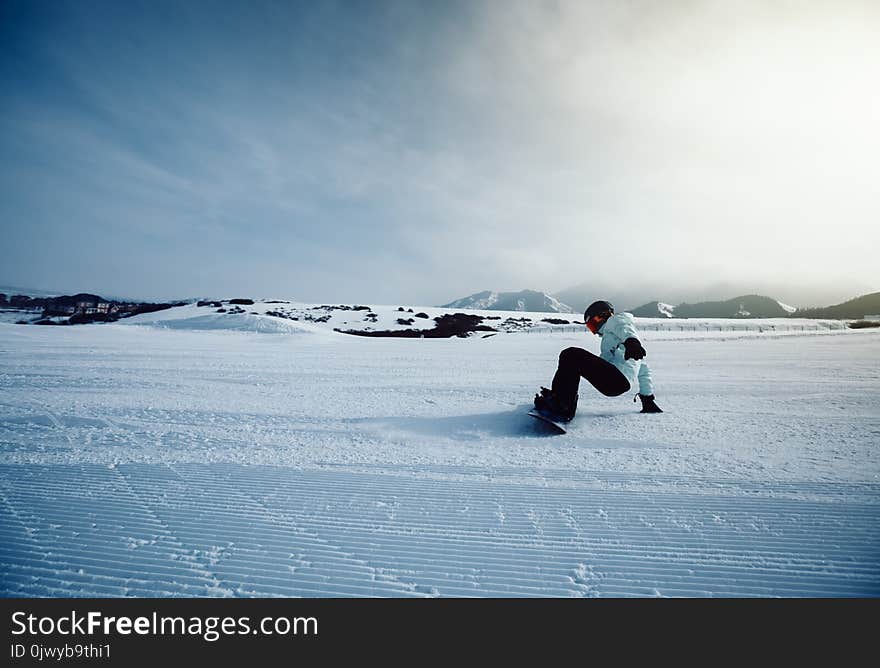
(550, 419)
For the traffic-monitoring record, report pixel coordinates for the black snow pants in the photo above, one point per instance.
(575, 363)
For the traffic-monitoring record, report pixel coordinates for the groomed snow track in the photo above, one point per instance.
(218, 529)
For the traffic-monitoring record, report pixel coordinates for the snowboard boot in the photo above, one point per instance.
(549, 402)
(648, 405)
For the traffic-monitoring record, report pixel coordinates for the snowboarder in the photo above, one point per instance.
(614, 372)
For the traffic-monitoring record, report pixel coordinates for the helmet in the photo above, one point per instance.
(596, 314)
(598, 308)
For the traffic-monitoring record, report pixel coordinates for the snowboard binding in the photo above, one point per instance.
(555, 407)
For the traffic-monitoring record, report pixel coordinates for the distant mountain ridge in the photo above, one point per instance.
(525, 300)
(759, 306)
(744, 306)
(854, 308)
(632, 290)
(654, 310)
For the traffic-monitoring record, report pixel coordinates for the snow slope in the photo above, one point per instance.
(156, 460)
(288, 317)
(273, 316)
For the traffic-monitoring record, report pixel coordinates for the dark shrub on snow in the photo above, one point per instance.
(85, 318)
(449, 325)
(149, 308)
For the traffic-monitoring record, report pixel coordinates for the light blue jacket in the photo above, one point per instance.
(617, 329)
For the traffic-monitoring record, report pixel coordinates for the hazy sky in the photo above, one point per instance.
(416, 152)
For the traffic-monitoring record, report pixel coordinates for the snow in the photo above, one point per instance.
(289, 317)
(786, 307)
(256, 318)
(148, 458)
(482, 304)
(200, 318)
(557, 306)
(12, 316)
(666, 309)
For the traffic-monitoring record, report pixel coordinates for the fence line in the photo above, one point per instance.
(696, 327)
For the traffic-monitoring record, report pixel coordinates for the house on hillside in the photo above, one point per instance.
(81, 304)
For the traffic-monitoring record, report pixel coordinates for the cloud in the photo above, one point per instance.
(417, 152)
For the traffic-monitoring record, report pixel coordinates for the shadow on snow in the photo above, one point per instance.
(503, 424)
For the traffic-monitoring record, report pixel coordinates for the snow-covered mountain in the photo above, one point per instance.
(745, 306)
(808, 291)
(525, 300)
(654, 310)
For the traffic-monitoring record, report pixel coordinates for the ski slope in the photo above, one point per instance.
(148, 459)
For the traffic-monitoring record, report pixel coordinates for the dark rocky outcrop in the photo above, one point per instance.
(341, 307)
(138, 309)
(86, 318)
(23, 301)
(281, 314)
(446, 326)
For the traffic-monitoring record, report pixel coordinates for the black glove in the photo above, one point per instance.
(648, 405)
(634, 350)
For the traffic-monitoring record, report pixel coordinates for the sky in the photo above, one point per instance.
(418, 152)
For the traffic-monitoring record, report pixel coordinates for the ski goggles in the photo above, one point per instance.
(595, 322)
